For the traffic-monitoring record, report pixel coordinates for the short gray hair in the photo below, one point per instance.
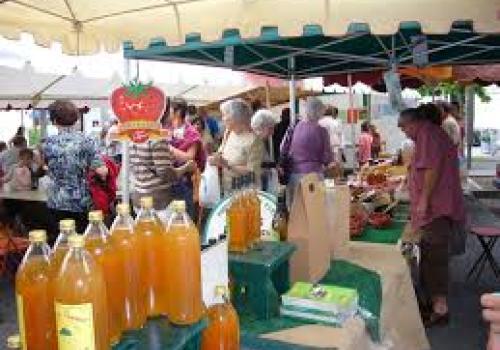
(263, 118)
(237, 109)
(314, 109)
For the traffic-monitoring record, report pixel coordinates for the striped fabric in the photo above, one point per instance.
(152, 166)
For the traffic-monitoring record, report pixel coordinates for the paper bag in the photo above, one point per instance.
(337, 214)
(307, 229)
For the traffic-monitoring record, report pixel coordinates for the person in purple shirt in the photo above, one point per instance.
(436, 202)
(309, 150)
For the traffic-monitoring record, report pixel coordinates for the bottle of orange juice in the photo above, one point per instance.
(256, 211)
(223, 331)
(182, 254)
(34, 296)
(149, 230)
(98, 244)
(238, 221)
(66, 229)
(128, 290)
(80, 301)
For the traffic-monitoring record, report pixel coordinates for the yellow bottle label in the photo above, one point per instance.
(75, 326)
(20, 321)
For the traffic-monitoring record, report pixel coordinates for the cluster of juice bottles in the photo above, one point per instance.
(243, 214)
(90, 288)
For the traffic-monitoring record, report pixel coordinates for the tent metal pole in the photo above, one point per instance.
(293, 112)
(353, 131)
(469, 124)
(125, 176)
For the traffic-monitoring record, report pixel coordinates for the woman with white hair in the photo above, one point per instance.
(241, 151)
(263, 123)
(309, 148)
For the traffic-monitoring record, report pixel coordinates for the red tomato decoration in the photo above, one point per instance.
(138, 107)
(138, 102)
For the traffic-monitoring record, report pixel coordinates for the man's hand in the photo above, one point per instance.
(491, 312)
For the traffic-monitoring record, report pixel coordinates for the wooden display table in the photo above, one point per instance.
(159, 334)
(259, 277)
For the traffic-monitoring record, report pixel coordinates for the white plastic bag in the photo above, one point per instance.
(209, 187)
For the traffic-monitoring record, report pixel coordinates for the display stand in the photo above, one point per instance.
(259, 277)
(159, 334)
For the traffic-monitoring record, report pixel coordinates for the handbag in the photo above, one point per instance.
(285, 161)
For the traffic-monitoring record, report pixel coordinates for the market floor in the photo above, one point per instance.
(466, 330)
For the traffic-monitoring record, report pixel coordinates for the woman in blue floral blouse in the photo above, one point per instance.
(69, 156)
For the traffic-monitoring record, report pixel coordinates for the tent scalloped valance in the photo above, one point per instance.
(84, 27)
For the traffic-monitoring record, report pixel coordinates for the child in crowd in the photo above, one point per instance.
(18, 177)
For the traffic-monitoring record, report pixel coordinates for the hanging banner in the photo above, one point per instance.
(138, 108)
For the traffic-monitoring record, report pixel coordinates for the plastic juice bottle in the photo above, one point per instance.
(98, 244)
(249, 209)
(150, 234)
(237, 224)
(66, 229)
(80, 301)
(34, 296)
(256, 213)
(182, 252)
(128, 289)
(223, 332)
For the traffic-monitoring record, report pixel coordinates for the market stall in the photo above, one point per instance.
(254, 39)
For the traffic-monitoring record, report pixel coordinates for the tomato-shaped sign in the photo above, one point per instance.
(138, 108)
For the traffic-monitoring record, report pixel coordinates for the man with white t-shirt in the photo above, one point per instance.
(334, 127)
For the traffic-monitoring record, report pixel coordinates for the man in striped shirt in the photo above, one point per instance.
(153, 173)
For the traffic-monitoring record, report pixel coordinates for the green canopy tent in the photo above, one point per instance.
(317, 55)
(314, 54)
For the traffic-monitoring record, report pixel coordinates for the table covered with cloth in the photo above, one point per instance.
(400, 326)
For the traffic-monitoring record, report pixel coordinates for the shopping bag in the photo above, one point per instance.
(209, 191)
(308, 230)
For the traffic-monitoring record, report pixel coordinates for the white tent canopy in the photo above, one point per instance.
(86, 26)
(19, 88)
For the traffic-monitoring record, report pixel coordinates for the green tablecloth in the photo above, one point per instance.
(390, 235)
(341, 273)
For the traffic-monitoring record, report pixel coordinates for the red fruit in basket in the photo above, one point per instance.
(138, 102)
(379, 220)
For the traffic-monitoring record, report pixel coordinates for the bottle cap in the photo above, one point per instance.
(76, 241)
(14, 341)
(67, 224)
(147, 202)
(37, 236)
(178, 206)
(123, 209)
(95, 215)
(212, 241)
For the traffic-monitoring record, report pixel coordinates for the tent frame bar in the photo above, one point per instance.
(445, 47)
(320, 53)
(282, 57)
